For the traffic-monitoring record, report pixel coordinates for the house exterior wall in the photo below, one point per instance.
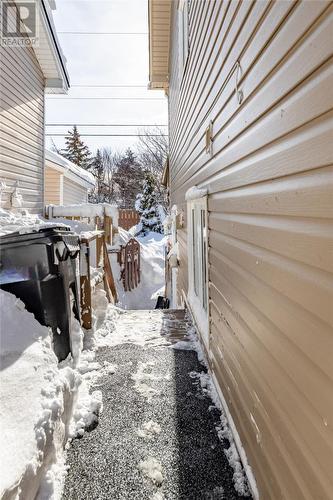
(270, 185)
(53, 187)
(74, 193)
(22, 122)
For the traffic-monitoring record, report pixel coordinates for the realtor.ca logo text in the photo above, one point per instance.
(19, 23)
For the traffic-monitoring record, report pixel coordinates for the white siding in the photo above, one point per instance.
(22, 122)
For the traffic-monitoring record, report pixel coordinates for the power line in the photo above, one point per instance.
(102, 33)
(103, 125)
(110, 135)
(111, 86)
(108, 98)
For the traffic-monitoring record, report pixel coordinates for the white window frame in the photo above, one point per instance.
(183, 35)
(198, 280)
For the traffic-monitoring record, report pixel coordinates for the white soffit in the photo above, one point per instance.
(159, 18)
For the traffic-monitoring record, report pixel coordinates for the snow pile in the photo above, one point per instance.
(152, 251)
(87, 412)
(36, 397)
(43, 404)
(152, 469)
(23, 222)
(87, 210)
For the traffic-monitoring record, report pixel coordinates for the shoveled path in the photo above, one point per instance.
(151, 382)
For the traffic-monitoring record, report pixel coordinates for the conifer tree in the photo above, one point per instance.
(129, 177)
(148, 207)
(97, 168)
(75, 149)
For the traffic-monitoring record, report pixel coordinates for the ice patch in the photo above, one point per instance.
(152, 469)
(144, 375)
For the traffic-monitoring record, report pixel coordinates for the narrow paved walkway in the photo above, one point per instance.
(156, 438)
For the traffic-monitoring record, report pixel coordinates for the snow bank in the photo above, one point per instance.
(43, 404)
(36, 400)
(152, 248)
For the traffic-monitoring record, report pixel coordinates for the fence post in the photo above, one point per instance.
(108, 229)
(85, 285)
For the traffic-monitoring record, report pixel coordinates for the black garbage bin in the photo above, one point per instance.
(40, 268)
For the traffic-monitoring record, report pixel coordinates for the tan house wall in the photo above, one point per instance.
(74, 193)
(53, 186)
(270, 185)
(21, 123)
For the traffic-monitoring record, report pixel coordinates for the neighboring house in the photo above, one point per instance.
(26, 75)
(250, 112)
(65, 182)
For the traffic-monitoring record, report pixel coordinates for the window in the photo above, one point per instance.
(183, 34)
(197, 269)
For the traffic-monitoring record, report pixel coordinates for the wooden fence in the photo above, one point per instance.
(129, 261)
(128, 218)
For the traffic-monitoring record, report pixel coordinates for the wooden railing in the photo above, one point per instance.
(98, 215)
(128, 218)
(129, 261)
(102, 269)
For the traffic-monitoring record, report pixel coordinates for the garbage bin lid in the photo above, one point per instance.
(35, 232)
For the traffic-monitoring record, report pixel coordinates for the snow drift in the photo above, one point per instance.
(152, 254)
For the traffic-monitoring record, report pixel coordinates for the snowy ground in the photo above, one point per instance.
(152, 272)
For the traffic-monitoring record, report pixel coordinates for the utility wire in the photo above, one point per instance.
(111, 86)
(110, 135)
(102, 125)
(109, 98)
(101, 33)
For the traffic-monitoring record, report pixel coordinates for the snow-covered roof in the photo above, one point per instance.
(69, 169)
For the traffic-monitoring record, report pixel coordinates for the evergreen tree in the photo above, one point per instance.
(97, 168)
(129, 177)
(148, 207)
(75, 150)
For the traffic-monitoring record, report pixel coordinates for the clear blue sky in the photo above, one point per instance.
(105, 60)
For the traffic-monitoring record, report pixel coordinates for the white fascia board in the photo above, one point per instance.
(47, 25)
(69, 174)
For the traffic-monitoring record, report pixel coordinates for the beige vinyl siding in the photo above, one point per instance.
(74, 193)
(270, 184)
(53, 186)
(22, 121)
